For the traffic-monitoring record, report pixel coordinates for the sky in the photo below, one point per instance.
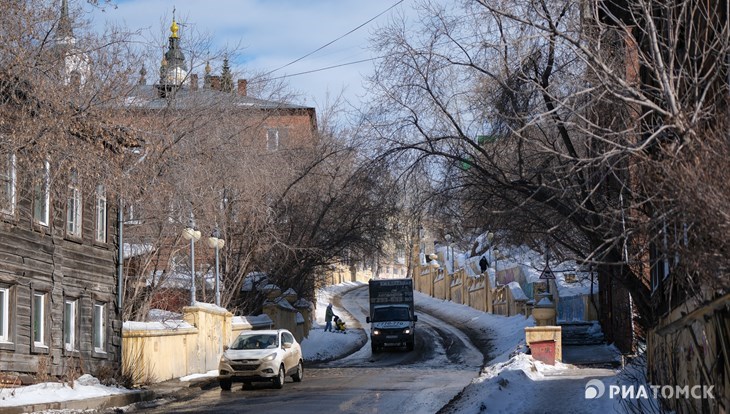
(273, 34)
(511, 382)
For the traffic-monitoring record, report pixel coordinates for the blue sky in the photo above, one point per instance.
(272, 34)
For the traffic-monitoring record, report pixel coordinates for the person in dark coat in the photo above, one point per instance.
(328, 318)
(484, 264)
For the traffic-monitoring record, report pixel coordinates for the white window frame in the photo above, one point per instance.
(272, 139)
(42, 197)
(74, 207)
(101, 214)
(99, 331)
(70, 310)
(7, 177)
(4, 314)
(39, 319)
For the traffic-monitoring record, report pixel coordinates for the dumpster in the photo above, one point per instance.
(543, 351)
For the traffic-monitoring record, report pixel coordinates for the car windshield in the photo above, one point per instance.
(255, 341)
(391, 314)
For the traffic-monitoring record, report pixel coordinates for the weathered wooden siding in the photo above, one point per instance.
(44, 259)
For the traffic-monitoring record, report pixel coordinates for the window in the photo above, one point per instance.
(39, 318)
(7, 184)
(73, 207)
(69, 324)
(100, 214)
(41, 195)
(272, 139)
(4, 314)
(99, 327)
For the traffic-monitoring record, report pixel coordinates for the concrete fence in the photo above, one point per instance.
(159, 351)
(478, 291)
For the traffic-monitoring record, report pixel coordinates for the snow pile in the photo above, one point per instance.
(84, 387)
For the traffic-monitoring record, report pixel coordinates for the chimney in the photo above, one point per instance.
(242, 85)
(193, 81)
(215, 83)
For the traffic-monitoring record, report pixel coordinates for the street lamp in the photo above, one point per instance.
(495, 252)
(433, 263)
(189, 233)
(449, 247)
(215, 242)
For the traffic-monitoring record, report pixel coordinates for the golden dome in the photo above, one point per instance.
(174, 28)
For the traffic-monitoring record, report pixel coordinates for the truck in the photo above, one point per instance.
(392, 314)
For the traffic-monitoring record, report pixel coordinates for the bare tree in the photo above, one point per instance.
(543, 118)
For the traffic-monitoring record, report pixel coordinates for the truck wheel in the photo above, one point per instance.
(225, 385)
(409, 345)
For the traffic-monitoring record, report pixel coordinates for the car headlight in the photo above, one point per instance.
(269, 357)
(376, 332)
(225, 359)
(407, 331)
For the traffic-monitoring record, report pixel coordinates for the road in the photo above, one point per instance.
(394, 381)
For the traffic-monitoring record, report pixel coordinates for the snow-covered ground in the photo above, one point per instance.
(512, 381)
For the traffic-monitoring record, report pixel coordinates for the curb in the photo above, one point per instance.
(97, 403)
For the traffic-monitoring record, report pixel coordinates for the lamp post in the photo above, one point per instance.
(189, 233)
(215, 242)
(495, 252)
(449, 246)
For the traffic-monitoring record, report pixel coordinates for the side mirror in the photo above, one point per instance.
(286, 345)
(225, 348)
(415, 318)
(367, 319)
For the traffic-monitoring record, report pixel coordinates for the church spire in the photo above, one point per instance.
(64, 32)
(173, 71)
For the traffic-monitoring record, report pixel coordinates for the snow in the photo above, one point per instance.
(511, 382)
(84, 387)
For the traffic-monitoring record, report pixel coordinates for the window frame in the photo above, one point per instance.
(74, 328)
(74, 208)
(4, 314)
(8, 178)
(39, 346)
(272, 139)
(101, 215)
(42, 193)
(99, 328)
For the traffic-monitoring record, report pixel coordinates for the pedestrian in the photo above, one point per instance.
(328, 318)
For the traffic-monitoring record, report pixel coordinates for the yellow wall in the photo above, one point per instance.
(193, 346)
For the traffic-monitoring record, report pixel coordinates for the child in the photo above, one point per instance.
(339, 324)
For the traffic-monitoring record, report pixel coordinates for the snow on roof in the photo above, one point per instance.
(179, 279)
(252, 279)
(517, 292)
(289, 292)
(544, 302)
(252, 321)
(173, 324)
(210, 306)
(162, 315)
(281, 302)
(132, 250)
(303, 303)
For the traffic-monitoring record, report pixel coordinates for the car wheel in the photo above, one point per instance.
(225, 385)
(297, 377)
(279, 380)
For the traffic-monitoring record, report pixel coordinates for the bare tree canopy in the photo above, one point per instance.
(583, 125)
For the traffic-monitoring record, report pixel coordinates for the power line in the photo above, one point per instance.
(316, 70)
(333, 41)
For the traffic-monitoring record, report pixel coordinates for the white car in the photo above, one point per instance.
(267, 355)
